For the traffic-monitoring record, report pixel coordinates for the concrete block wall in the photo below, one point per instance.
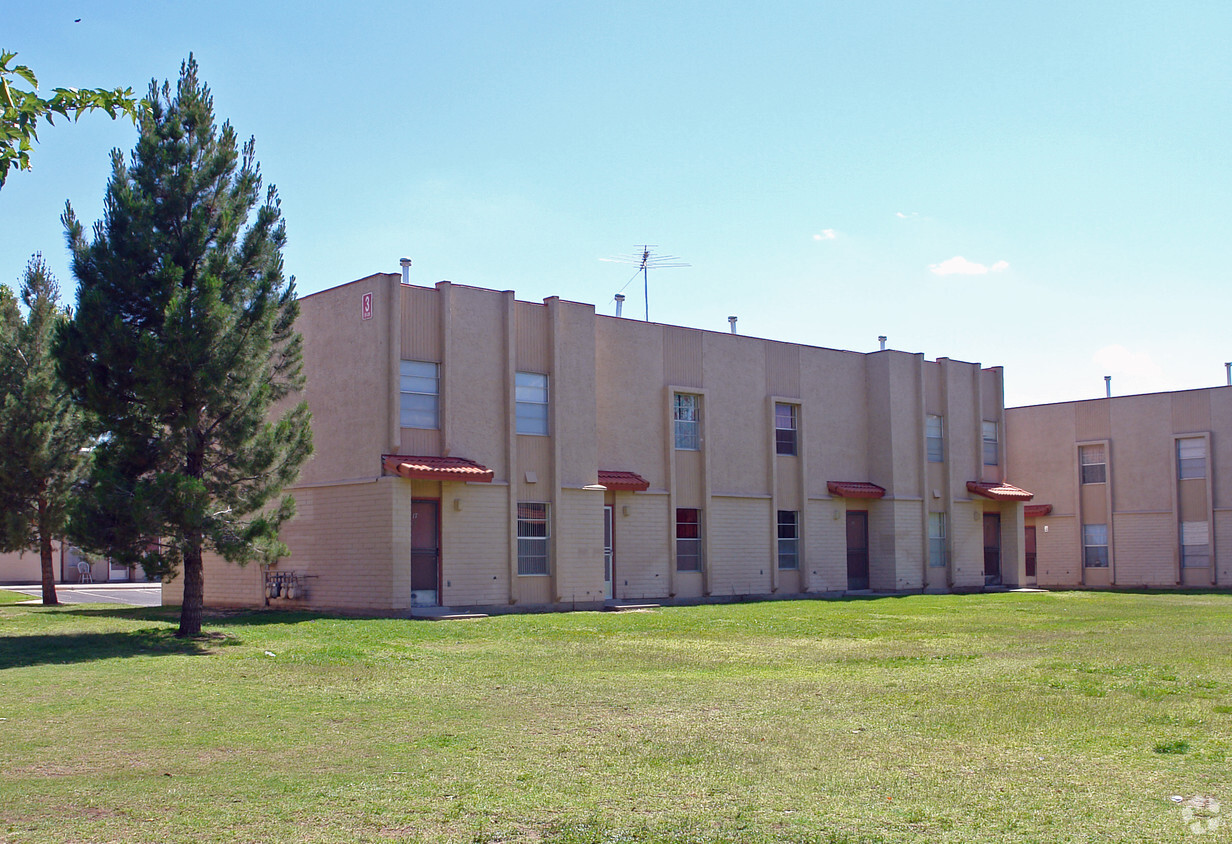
(826, 545)
(967, 545)
(1146, 549)
(579, 546)
(739, 557)
(642, 540)
(475, 544)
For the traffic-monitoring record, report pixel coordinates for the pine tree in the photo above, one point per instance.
(183, 345)
(42, 435)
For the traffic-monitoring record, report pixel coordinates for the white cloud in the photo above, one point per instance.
(1118, 360)
(907, 216)
(958, 265)
(826, 234)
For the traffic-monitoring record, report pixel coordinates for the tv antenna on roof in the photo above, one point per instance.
(646, 261)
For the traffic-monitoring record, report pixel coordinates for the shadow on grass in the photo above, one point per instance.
(68, 648)
(210, 618)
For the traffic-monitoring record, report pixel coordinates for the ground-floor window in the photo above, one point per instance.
(533, 532)
(936, 539)
(1095, 546)
(688, 539)
(1195, 545)
(789, 539)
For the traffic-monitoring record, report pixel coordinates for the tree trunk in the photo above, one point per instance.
(45, 560)
(194, 591)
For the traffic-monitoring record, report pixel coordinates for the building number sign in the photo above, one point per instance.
(366, 307)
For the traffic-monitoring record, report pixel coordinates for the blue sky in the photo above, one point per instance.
(1041, 186)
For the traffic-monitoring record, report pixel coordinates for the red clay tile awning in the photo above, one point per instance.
(1035, 511)
(437, 468)
(999, 492)
(855, 489)
(619, 481)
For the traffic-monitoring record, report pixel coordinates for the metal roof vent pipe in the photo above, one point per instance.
(882, 340)
(406, 270)
(1228, 367)
(620, 303)
(731, 321)
(1108, 386)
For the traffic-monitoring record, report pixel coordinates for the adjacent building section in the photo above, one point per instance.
(1128, 490)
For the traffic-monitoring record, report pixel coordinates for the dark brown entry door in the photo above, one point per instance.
(1029, 544)
(992, 549)
(425, 553)
(857, 549)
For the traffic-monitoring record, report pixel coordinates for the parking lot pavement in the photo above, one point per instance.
(132, 594)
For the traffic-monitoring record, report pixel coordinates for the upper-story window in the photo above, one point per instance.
(988, 430)
(531, 395)
(1093, 464)
(786, 423)
(420, 394)
(686, 414)
(934, 438)
(1191, 457)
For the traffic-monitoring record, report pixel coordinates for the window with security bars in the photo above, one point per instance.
(688, 539)
(988, 432)
(531, 398)
(533, 532)
(419, 394)
(1191, 457)
(686, 415)
(934, 438)
(785, 427)
(1195, 545)
(936, 540)
(1095, 546)
(1093, 464)
(789, 539)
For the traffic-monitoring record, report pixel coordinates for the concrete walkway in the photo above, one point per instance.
(129, 594)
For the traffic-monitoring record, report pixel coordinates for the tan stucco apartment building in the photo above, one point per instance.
(473, 450)
(1127, 489)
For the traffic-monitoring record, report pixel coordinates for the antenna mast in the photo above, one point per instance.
(645, 261)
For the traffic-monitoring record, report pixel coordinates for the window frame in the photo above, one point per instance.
(1100, 477)
(934, 442)
(993, 457)
(1201, 558)
(787, 439)
(527, 423)
(1187, 466)
(529, 518)
(1092, 558)
(691, 544)
(687, 432)
(788, 534)
(419, 378)
(937, 556)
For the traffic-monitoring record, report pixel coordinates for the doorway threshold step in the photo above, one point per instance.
(628, 606)
(444, 614)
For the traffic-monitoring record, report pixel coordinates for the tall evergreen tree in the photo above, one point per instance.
(183, 345)
(42, 436)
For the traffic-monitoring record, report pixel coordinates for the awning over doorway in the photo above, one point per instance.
(618, 481)
(1035, 511)
(855, 489)
(999, 492)
(437, 468)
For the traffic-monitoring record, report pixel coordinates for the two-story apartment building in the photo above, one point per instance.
(473, 450)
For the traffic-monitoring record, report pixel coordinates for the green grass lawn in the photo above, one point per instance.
(1007, 717)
